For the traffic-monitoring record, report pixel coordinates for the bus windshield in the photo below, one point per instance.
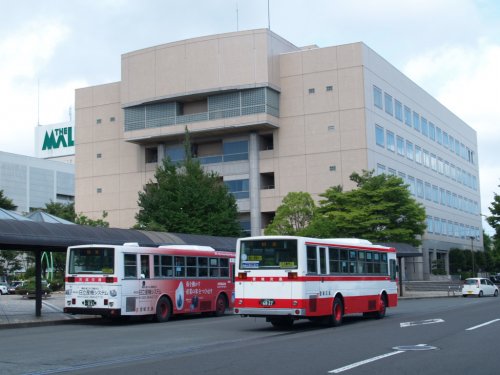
(264, 254)
(91, 260)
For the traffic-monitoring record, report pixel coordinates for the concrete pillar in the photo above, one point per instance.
(447, 262)
(425, 269)
(254, 185)
(161, 153)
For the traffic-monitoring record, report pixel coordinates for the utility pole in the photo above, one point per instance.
(472, 251)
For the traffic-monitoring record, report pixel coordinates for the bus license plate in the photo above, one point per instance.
(89, 303)
(267, 302)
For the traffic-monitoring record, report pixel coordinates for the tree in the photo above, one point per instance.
(494, 219)
(6, 203)
(381, 209)
(67, 212)
(64, 211)
(183, 198)
(293, 215)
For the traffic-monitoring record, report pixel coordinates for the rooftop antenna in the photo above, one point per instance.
(38, 102)
(237, 23)
(268, 16)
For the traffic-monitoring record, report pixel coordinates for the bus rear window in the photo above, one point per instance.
(263, 254)
(92, 260)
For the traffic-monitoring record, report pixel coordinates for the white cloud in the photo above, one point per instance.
(25, 53)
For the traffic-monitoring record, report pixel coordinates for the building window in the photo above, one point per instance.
(400, 142)
(99, 156)
(430, 224)
(445, 139)
(390, 141)
(333, 168)
(432, 131)
(411, 185)
(111, 119)
(435, 194)
(420, 188)
(409, 150)
(99, 190)
(427, 159)
(312, 91)
(98, 121)
(388, 104)
(377, 97)
(379, 136)
(234, 151)
(380, 169)
(416, 121)
(424, 126)
(439, 135)
(329, 88)
(418, 154)
(239, 188)
(151, 154)
(407, 116)
(398, 110)
(428, 191)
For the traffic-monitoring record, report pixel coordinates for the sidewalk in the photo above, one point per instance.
(16, 311)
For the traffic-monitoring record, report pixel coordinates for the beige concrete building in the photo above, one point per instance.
(272, 118)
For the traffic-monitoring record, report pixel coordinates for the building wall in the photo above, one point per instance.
(325, 129)
(31, 183)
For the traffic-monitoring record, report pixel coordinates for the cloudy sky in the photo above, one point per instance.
(451, 48)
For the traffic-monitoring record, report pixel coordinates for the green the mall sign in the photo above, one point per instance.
(53, 141)
(56, 138)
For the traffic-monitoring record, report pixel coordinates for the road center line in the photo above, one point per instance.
(360, 363)
(482, 325)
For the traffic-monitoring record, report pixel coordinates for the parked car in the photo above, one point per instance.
(28, 289)
(3, 288)
(14, 285)
(479, 286)
(495, 279)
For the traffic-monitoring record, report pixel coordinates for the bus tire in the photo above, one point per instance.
(163, 310)
(337, 316)
(380, 313)
(220, 305)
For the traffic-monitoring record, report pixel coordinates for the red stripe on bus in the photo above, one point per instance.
(313, 278)
(90, 279)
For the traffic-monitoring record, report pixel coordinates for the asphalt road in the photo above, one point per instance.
(425, 336)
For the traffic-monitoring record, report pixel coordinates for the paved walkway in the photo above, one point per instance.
(16, 311)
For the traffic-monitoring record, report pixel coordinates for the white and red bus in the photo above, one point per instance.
(120, 281)
(285, 278)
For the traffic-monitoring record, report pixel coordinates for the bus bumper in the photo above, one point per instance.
(263, 312)
(84, 311)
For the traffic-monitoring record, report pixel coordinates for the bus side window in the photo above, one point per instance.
(144, 266)
(312, 263)
(393, 269)
(224, 267)
(180, 266)
(130, 266)
(214, 267)
(202, 267)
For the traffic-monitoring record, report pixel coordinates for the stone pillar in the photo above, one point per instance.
(254, 185)
(447, 262)
(425, 271)
(161, 153)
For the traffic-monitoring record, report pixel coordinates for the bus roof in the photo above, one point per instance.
(187, 247)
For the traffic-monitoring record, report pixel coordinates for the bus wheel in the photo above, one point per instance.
(163, 310)
(380, 313)
(337, 313)
(220, 305)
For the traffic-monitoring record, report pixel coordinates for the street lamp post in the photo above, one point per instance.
(472, 251)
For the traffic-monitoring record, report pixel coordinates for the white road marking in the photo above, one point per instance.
(421, 322)
(482, 325)
(360, 363)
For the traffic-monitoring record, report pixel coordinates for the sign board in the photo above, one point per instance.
(54, 140)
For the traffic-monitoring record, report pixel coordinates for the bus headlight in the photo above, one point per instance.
(113, 293)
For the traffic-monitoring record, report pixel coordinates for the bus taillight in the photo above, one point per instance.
(70, 279)
(242, 275)
(110, 279)
(292, 275)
